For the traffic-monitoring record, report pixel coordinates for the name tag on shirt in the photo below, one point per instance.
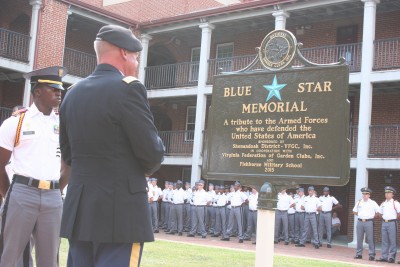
(28, 132)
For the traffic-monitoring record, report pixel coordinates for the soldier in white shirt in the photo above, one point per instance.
(252, 219)
(176, 213)
(299, 217)
(285, 202)
(186, 211)
(310, 206)
(389, 210)
(325, 217)
(200, 200)
(236, 200)
(365, 209)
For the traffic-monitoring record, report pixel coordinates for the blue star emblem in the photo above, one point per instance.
(274, 89)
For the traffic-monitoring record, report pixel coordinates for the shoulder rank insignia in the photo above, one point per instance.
(129, 79)
(19, 112)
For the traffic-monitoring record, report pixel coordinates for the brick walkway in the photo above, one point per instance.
(338, 253)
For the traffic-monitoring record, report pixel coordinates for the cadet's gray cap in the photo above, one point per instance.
(119, 36)
(326, 189)
(238, 183)
(301, 189)
(210, 184)
(201, 182)
(310, 188)
(179, 182)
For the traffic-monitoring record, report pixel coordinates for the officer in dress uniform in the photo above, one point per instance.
(178, 200)
(236, 215)
(325, 217)
(252, 219)
(108, 137)
(310, 206)
(200, 200)
(33, 203)
(299, 217)
(365, 209)
(389, 210)
(285, 202)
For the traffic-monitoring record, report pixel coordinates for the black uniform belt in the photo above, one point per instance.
(178, 203)
(282, 210)
(365, 220)
(235, 207)
(253, 210)
(326, 211)
(290, 214)
(310, 212)
(200, 205)
(389, 220)
(41, 184)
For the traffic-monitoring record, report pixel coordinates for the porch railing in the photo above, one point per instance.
(4, 114)
(332, 53)
(353, 140)
(79, 63)
(172, 75)
(14, 45)
(387, 54)
(177, 143)
(384, 141)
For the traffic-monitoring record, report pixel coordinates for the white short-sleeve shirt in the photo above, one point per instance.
(389, 209)
(328, 202)
(38, 153)
(366, 209)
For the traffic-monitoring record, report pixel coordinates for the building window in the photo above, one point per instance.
(190, 123)
(224, 56)
(194, 65)
(186, 174)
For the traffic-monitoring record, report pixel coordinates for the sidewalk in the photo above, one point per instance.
(339, 252)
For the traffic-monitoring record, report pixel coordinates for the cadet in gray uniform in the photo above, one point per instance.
(252, 218)
(153, 203)
(291, 221)
(33, 202)
(325, 217)
(310, 206)
(299, 217)
(365, 209)
(220, 215)
(389, 210)
(200, 201)
(176, 213)
(187, 209)
(285, 202)
(210, 211)
(237, 199)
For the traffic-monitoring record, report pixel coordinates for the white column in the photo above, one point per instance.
(365, 110)
(143, 56)
(280, 19)
(36, 4)
(201, 108)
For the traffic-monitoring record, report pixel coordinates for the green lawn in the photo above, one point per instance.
(172, 254)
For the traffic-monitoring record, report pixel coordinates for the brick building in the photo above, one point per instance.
(186, 42)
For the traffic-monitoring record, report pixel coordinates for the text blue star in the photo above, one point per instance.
(274, 89)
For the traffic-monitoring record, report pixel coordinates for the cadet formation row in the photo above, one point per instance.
(231, 211)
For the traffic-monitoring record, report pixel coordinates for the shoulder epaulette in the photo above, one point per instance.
(72, 85)
(129, 79)
(19, 112)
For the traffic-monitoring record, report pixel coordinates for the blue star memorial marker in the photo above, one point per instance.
(274, 89)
